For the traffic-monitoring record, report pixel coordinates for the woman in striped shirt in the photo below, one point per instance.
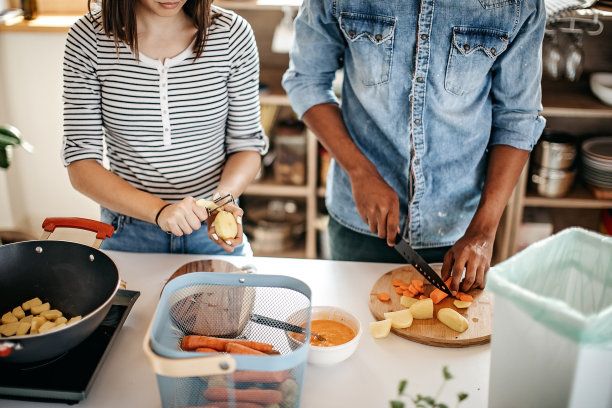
(170, 90)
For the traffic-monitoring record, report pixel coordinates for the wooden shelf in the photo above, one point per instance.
(579, 197)
(269, 188)
(565, 99)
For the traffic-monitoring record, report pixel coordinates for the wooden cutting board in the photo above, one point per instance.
(431, 331)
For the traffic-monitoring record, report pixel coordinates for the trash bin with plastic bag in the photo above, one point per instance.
(551, 344)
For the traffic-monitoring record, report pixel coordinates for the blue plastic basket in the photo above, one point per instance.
(199, 302)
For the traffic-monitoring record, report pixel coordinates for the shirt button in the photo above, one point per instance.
(416, 160)
(165, 112)
(420, 79)
(351, 32)
(466, 47)
(166, 129)
(164, 97)
(493, 51)
(378, 37)
(163, 84)
(417, 121)
(423, 37)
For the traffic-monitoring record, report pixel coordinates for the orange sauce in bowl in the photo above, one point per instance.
(335, 333)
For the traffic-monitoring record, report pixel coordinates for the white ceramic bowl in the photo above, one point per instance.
(334, 354)
(601, 85)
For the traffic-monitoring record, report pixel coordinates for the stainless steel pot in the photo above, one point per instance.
(551, 182)
(556, 151)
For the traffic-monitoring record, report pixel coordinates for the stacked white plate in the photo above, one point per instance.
(597, 162)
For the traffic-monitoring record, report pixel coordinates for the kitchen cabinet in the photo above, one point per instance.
(569, 107)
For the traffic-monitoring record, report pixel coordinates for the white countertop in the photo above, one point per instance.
(367, 379)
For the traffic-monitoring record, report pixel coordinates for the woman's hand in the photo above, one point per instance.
(183, 217)
(227, 244)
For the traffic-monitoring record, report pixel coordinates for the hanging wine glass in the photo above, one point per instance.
(574, 58)
(552, 58)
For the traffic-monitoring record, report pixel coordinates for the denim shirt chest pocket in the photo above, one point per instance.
(472, 54)
(370, 41)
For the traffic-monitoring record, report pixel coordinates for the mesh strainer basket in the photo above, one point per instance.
(188, 378)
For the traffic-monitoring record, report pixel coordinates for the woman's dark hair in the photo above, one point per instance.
(119, 20)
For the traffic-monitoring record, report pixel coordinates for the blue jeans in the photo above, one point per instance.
(134, 235)
(348, 245)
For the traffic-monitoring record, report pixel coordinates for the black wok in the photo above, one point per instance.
(74, 278)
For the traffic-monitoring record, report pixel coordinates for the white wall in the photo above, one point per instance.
(37, 184)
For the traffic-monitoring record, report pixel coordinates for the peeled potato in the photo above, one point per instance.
(380, 329)
(206, 204)
(453, 319)
(400, 319)
(225, 225)
(460, 304)
(422, 309)
(407, 301)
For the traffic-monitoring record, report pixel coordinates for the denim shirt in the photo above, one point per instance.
(428, 87)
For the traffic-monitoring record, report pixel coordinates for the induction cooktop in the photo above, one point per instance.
(68, 377)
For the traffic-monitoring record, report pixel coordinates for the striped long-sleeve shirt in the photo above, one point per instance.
(167, 126)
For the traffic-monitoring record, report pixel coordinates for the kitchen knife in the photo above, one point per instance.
(421, 266)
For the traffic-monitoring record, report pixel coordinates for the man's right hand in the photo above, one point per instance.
(378, 205)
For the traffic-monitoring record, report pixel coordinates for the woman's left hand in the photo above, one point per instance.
(227, 244)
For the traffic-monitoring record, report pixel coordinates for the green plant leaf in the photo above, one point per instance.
(461, 396)
(441, 405)
(402, 386)
(397, 404)
(446, 373)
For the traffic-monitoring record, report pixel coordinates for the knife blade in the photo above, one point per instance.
(421, 266)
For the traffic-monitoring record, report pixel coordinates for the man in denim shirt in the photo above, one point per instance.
(439, 112)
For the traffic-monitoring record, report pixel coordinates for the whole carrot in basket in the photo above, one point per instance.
(227, 404)
(256, 395)
(253, 376)
(192, 342)
(236, 348)
(206, 350)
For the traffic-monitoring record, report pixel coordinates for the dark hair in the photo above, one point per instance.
(119, 20)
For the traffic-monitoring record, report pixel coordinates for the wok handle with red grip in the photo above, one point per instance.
(101, 229)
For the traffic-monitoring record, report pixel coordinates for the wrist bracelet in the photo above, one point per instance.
(159, 212)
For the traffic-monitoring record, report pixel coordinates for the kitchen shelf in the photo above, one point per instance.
(579, 197)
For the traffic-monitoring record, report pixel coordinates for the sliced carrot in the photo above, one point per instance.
(192, 342)
(235, 348)
(437, 295)
(404, 286)
(399, 290)
(464, 297)
(413, 290)
(257, 395)
(397, 282)
(408, 293)
(206, 350)
(383, 297)
(418, 285)
(421, 297)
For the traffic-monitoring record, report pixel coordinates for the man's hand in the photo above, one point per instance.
(471, 253)
(378, 206)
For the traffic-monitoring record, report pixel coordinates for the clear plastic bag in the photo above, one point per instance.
(551, 344)
(564, 282)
